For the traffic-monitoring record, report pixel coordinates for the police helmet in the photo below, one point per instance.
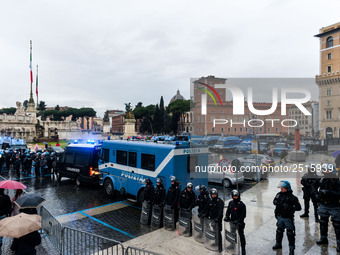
(189, 185)
(27, 155)
(53, 154)
(159, 180)
(47, 153)
(235, 193)
(285, 184)
(147, 180)
(201, 188)
(173, 179)
(213, 191)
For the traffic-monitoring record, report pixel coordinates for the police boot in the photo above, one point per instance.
(323, 231)
(291, 241)
(279, 237)
(336, 225)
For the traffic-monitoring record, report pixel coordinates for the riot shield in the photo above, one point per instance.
(145, 214)
(232, 241)
(211, 236)
(198, 230)
(184, 222)
(169, 218)
(156, 218)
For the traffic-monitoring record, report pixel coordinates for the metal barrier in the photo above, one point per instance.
(136, 251)
(51, 227)
(79, 242)
(69, 241)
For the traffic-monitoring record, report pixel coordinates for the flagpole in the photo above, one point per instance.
(36, 88)
(31, 74)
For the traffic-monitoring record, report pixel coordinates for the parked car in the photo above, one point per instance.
(56, 149)
(279, 147)
(264, 147)
(249, 170)
(244, 147)
(226, 178)
(261, 159)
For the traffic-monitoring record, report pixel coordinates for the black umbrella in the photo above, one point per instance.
(29, 201)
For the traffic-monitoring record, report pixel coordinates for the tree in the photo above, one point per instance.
(25, 104)
(177, 108)
(57, 108)
(9, 111)
(106, 116)
(162, 113)
(42, 106)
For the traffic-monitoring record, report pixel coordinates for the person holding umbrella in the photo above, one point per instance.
(18, 194)
(5, 207)
(24, 229)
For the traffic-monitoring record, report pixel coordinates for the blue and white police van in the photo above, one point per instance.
(124, 165)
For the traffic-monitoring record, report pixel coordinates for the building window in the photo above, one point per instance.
(246, 129)
(329, 69)
(268, 129)
(329, 55)
(328, 103)
(213, 129)
(329, 42)
(235, 129)
(240, 129)
(228, 130)
(328, 115)
(222, 129)
(329, 92)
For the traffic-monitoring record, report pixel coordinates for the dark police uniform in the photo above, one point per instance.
(214, 211)
(328, 194)
(236, 213)
(201, 202)
(187, 199)
(308, 181)
(286, 205)
(159, 195)
(172, 198)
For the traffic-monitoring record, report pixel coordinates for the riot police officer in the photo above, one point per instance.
(27, 165)
(16, 165)
(202, 199)
(286, 205)
(307, 182)
(187, 197)
(148, 191)
(173, 194)
(214, 211)
(37, 165)
(147, 197)
(328, 194)
(159, 195)
(236, 213)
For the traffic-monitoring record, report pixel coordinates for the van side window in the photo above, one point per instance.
(82, 159)
(132, 159)
(69, 158)
(148, 162)
(105, 155)
(192, 162)
(121, 157)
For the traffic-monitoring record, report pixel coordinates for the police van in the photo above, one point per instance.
(80, 163)
(124, 165)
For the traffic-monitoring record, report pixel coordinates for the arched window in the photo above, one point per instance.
(329, 42)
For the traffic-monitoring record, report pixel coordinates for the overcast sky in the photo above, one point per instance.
(103, 54)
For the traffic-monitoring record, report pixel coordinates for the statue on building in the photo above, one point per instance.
(128, 111)
(20, 109)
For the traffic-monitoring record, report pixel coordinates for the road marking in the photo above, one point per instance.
(107, 225)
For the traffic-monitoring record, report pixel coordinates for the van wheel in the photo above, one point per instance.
(226, 183)
(108, 188)
(78, 182)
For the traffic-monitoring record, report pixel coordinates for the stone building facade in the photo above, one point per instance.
(328, 81)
